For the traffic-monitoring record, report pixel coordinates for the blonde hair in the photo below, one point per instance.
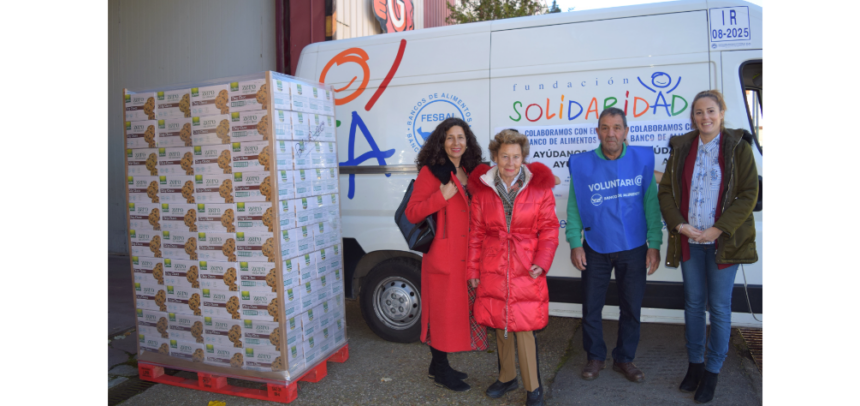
(714, 95)
(510, 136)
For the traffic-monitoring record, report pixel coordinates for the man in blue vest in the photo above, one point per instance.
(613, 200)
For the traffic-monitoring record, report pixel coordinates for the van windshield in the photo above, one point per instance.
(751, 78)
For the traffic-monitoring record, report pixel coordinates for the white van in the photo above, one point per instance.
(548, 76)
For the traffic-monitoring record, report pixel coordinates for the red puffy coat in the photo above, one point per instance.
(507, 296)
(444, 289)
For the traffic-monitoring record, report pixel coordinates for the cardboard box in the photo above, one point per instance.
(283, 125)
(251, 156)
(185, 299)
(281, 93)
(264, 359)
(185, 327)
(322, 264)
(316, 98)
(304, 209)
(144, 216)
(339, 332)
(322, 128)
(179, 244)
(187, 350)
(259, 304)
(296, 357)
(143, 189)
(307, 265)
(292, 301)
(147, 269)
(253, 187)
(179, 217)
(152, 323)
(219, 275)
(284, 154)
(224, 356)
(145, 243)
(286, 184)
(250, 126)
(210, 100)
(142, 161)
(217, 246)
(173, 103)
(210, 130)
(176, 161)
(218, 331)
(328, 102)
(286, 215)
(140, 134)
(300, 97)
(150, 296)
(176, 188)
(256, 247)
(175, 132)
(213, 159)
(216, 217)
(249, 95)
(292, 269)
(289, 242)
(303, 154)
(214, 188)
(258, 276)
(322, 234)
(261, 334)
(222, 304)
(140, 106)
(255, 217)
(181, 273)
(154, 343)
(303, 181)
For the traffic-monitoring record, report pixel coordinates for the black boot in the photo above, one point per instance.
(499, 388)
(445, 375)
(535, 398)
(693, 377)
(706, 389)
(441, 357)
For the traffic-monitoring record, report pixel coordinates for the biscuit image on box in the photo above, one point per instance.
(275, 337)
(197, 331)
(227, 220)
(154, 217)
(229, 249)
(263, 127)
(191, 220)
(161, 299)
(164, 349)
(235, 335)
(185, 108)
(222, 101)
(185, 134)
(152, 164)
(191, 276)
(223, 131)
(266, 189)
(191, 248)
(267, 218)
(273, 309)
(158, 273)
(264, 157)
(277, 364)
(225, 162)
(187, 163)
(161, 326)
(237, 361)
(269, 249)
(152, 191)
(233, 307)
(272, 280)
(263, 95)
(194, 302)
(188, 191)
(149, 136)
(198, 355)
(226, 190)
(155, 246)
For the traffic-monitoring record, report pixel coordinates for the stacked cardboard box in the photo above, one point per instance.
(235, 223)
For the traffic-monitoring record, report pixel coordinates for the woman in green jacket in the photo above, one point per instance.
(707, 196)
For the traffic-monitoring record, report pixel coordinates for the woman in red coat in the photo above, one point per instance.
(514, 234)
(448, 155)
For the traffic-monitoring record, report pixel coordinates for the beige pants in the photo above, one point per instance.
(527, 351)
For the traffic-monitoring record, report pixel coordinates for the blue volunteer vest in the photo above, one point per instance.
(610, 197)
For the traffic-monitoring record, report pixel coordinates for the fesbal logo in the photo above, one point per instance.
(431, 110)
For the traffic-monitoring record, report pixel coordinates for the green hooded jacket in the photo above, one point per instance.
(736, 245)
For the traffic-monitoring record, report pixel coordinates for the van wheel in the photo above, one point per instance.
(391, 300)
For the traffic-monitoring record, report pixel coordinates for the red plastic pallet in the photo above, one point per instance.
(283, 393)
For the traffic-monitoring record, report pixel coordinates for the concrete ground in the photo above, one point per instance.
(383, 373)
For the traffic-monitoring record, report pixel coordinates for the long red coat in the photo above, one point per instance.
(444, 294)
(507, 296)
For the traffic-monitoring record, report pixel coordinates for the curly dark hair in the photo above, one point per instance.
(433, 152)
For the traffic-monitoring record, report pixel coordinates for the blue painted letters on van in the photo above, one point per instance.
(374, 152)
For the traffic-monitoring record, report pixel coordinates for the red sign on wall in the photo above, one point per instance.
(394, 15)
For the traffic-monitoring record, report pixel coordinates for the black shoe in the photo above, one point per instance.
(535, 398)
(693, 377)
(447, 379)
(706, 389)
(457, 374)
(499, 388)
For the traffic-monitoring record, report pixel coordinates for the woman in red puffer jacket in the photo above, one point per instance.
(512, 242)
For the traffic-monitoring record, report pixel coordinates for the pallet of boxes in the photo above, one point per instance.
(234, 227)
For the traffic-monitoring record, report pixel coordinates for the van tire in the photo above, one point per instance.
(391, 300)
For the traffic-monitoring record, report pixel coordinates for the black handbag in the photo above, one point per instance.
(419, 236)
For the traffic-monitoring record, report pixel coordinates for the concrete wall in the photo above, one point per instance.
(157, 43)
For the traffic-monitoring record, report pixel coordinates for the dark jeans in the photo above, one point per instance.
(630, 274)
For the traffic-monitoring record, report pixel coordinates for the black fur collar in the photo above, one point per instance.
(443, 172)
